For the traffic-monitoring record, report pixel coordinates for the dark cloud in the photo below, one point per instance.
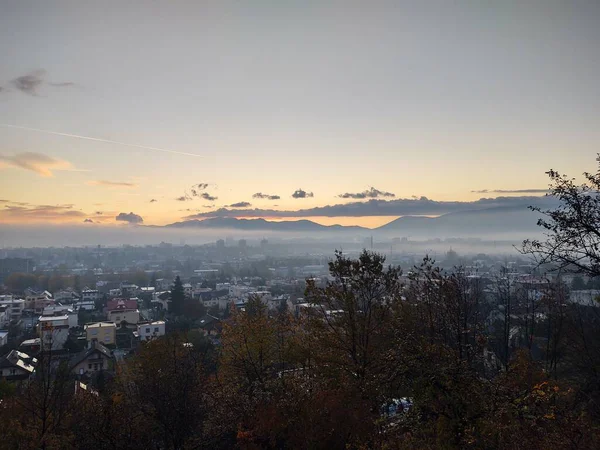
(153, 200)
(183, 198)
(5, 201)
(369, 193)
(266, 196)
(511, 191)
(197, 188)
(299, 193)
(207, 196)
(30, 83)
(99, 213)
(129, 218)
(240, 205)
(378, 207)
(39, 163)
(208, 206)
(88, 221)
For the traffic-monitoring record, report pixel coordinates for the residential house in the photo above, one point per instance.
(15, 305)
(88, 305)
(3, 338)
(4, 316)
(37, 301)
(53, 331)
(104, 332)
(17, 365)
(62, 310)
(119, 310)
(150, 330)
(161, 300)
(90, 295)
(65, 296)
(96, 357)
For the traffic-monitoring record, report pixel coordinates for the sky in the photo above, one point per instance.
(155, 112)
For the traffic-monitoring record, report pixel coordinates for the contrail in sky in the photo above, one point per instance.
(108, 141)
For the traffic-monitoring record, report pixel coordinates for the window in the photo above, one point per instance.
(147, 330)
(90, 366)
(156, 329)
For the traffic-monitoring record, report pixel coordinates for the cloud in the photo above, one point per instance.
(39, 163)
(31, 82)
(88, 221)
(129, 218)
(63, 84)
(208, 206)
(240, 205)
(153, 200)
(378, 207)
(266, 196)
(112, 184)
(40, 213)
(5, 201)
(299, 193)
(369, 193)
(511, 191)
(183, 198)
(197, 188)
(207, 196)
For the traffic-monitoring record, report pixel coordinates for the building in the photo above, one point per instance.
(65, 296)
(4, 316)
(53, 331)
(3, 338)
(15, 305)
(96, 357)
(87, 305)
(90, 295)
(150, 330)
(17, 365)
(119, 310)
(103, 332)
(37, 301)
(62, 310)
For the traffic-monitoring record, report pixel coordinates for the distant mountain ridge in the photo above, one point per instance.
(463, 223)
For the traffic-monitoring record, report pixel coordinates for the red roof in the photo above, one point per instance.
(121, 303)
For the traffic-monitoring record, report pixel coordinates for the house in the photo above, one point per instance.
(15, 305)
(96, 357)
(161, 300)
(3, 338)
(92, 295)
(53, 331)
(62, 310)
(4, 316)
(119, 310)
(65, 296)
(104, 332)
(37, 301)
(31, 346)
(87, 305)
(17, 365)
(150, 330)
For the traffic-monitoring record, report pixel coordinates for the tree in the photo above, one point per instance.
(177, 297)
(573, 228)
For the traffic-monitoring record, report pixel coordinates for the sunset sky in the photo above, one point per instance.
(219, 101)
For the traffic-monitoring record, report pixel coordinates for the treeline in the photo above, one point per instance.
(328, 377)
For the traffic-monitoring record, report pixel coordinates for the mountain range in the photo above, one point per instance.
(497, 220)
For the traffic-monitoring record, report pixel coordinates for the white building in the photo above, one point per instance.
(3, 338)
(119, 315)
(4, 316)
(150, 330)
(53, 331)
(62, 310)
(88, 305)
(90, 295)
(15, 305)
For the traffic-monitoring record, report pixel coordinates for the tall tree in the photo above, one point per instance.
(177, 297)
(573, 228)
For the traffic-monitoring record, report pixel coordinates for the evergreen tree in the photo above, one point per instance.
(177, 297)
